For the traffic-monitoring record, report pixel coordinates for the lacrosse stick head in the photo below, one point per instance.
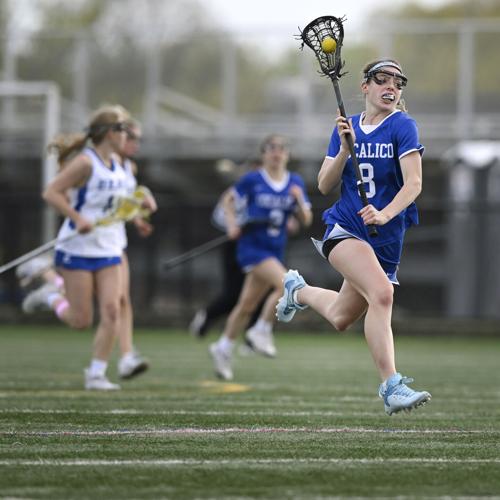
(324, 36)
(123, 209)
(147, 203)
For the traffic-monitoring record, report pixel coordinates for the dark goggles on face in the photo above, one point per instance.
(131, 136)
(273, 146)
(381, 77)
(119, 127)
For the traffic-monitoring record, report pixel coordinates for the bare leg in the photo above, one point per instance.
(366, 288)
(268, 312)
(268, 274)
(126, 318)
(251, 294)
(79, 291)
(340, 308)
(109, 292)
(51, 276)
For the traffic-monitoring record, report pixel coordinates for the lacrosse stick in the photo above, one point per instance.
(141, 194)
(207, 246)
(123, 209)
(195, 252)
(324, 36)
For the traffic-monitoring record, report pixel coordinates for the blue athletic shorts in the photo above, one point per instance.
(387, 255)
(248, 258)
(76, 262)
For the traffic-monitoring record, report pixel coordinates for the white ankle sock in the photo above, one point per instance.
(97, 367)
(128, 356)
(263, 326)
(226, 345)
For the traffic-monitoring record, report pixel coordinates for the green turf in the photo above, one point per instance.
(308, 424)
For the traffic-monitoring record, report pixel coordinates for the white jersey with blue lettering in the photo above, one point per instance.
(93, 201)
(130, 187)
(131, 181)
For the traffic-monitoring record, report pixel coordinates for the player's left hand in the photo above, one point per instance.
(292, 226)
(144, 228)
(149, 204)
(297, 192)
(372, 216)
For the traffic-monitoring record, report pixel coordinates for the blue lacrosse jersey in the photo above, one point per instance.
(268, 205)
(379, 153)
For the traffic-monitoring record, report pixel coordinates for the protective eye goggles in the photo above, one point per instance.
(98, 129)
(133, 137)
(273, 146)
(381, 77)
(119, 127)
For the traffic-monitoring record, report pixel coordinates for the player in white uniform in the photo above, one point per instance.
(131, 363)
(92, 201)
(89, 263)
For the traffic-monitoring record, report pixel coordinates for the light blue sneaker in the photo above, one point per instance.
(287, 306)
(398, 396)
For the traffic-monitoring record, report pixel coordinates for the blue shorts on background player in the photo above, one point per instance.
(270, 195)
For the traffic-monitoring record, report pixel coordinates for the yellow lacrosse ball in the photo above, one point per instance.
(328, 45)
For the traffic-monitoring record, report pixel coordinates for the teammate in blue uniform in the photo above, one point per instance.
(389, 153)
(271, 194)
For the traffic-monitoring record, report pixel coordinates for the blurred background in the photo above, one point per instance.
(208, 80)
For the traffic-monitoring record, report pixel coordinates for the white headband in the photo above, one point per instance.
(381, 64)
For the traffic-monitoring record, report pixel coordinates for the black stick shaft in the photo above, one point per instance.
(195, 252)
(372, 230)
(208, 245)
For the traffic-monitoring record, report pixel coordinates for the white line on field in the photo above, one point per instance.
(215, 413)
(244, 430)
(250, 461)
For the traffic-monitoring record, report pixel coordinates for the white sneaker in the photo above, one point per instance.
(99, 383)
(131, 366)
(33, 268)
(398, 396)
(37, 299)
(222, 362)
(261, 341)
(287, 306)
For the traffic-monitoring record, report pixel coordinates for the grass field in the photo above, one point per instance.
(308, 424)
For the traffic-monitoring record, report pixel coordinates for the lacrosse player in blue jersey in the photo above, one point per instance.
(271, 194)
(387, 146)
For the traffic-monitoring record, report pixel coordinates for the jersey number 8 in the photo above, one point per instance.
(367, 174)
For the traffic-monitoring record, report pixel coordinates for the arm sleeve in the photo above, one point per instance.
(297, 179)
(407, 139)
(243, 186)
(334, 146)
